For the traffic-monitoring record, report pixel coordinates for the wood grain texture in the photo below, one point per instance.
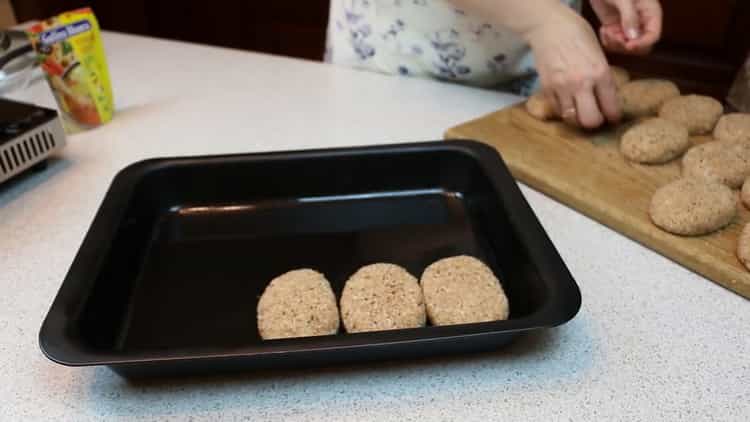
(587, 172)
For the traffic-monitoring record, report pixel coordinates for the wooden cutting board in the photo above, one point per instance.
(587, 172)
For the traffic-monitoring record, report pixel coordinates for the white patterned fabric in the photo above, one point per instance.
(429, 38)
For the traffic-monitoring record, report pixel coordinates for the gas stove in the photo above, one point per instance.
(29, 135)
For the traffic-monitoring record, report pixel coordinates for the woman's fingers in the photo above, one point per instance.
(631, 24)
(605, 38)
(652, 22)
(652, 26)
(606, 94)
(645, 43)
(637, 48)
(621, 38)
(551, 99)
(587, 109)
(568, 110)
(588, 99)
(614, 33)
(611, 41)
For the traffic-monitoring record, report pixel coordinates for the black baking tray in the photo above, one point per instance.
(168, 277)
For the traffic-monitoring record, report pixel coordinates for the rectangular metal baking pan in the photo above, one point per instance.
(168, 277)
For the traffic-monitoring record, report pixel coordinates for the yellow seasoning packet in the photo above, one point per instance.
(69, 49)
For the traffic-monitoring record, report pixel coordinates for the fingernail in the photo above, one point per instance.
(632, 33)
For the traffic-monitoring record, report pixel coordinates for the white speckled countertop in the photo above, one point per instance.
(653, 341)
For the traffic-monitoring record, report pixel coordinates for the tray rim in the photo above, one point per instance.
(563, 303)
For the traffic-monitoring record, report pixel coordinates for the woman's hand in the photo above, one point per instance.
(629, 26)
(575, 76)
(574, 73)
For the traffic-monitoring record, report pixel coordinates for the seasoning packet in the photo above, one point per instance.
(70, 51)
(739, 94)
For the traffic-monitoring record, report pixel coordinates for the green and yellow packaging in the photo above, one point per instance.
(69, 49)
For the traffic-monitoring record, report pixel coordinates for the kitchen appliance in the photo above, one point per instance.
(28, 136)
